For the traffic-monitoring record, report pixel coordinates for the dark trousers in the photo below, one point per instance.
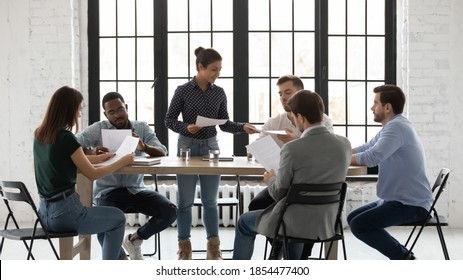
(148, 202)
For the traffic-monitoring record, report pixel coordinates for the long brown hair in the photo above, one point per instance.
(61, 114)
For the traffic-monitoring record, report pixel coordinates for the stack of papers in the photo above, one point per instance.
(128, 146)
(146, 160)
(267, 152)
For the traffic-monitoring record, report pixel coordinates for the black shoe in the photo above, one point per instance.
(410, 256)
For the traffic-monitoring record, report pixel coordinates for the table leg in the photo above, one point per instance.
(67, 248)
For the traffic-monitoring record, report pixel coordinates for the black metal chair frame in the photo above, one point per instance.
(320, 194)
(434, 219)
(13, 191)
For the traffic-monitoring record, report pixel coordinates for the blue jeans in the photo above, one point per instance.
(148, 202)
(245, 235)
(70, 215)
(368, 224)
(209, 187)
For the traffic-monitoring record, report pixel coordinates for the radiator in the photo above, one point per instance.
(226, 213)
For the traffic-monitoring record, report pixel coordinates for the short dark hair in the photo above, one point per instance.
(393, 95)
(206, 56)
(111, 96)
(297, 82)
(308, 104)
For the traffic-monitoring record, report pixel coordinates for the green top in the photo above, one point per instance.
(55, 171)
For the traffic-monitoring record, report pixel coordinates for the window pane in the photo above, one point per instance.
(178, 63)
(340, 130)
(127, 89)
(108, 59)
(258, 54)
(356, 103)
(145, 59)
(337, 58)
(259, 15)
(304, 15)
(281, 48)
(372, 131)
(375, 56)
(145, 18)
(126, 18)
(222, 11)
(309, 84)
(370, 99)
(105, 87)
(200, 15)
(336, 17)
(177, 15)
(337, 102)
(375, 17)
(223, 43)
(126, 59)
(304, 51)
(356, 16)
(107, 16)
(356, 58)
(259, 93)
(282, 15)
(356, 135)
(197, 40)
(145, 102)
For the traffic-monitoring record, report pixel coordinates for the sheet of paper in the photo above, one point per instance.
(203, 121)
(113, 138)
(280, 132)
(267, 152)
(128, 146)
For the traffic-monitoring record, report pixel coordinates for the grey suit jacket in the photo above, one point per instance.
(319, 157)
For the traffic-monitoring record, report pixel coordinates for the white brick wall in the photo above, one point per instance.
(44, 47)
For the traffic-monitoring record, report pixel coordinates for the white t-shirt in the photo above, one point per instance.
(281, 121)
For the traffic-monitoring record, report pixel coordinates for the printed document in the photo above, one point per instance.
(113, 138)
(203, 121)
(267, 152)
(128, 146)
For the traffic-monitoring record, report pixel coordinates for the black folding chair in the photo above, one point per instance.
(434, 219)
(17, 192)
(312, 194)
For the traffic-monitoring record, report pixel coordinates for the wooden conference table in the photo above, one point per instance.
(240, 166)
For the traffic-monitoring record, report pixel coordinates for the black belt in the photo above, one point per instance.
(59, 196)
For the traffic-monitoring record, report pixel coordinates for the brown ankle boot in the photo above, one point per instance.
(213, 249)
(184, 250)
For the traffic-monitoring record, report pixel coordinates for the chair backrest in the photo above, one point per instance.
(439, 185)
(315, 194)
(16, 191)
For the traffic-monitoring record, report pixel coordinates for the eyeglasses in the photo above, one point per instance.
(119, 110)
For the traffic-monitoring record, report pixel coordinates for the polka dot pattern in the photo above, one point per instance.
(190, 101)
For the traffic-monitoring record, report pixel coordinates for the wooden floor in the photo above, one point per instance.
(428, 247)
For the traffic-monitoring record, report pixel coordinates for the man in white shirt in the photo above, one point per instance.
(288, 85)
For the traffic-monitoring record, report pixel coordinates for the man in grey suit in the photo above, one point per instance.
(317, 157)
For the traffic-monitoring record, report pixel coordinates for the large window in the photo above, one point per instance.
(144, 49)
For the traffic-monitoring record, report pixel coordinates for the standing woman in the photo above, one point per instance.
(57, 156)
(200, 97)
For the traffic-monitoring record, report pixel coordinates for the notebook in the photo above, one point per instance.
(221, 158)
(146, 160)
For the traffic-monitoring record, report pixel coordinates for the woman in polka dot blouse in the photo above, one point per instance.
(200, 97)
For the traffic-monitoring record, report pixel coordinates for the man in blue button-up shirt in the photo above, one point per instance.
(403, 188)
(127, 191)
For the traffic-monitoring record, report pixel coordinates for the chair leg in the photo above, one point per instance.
(442, 242)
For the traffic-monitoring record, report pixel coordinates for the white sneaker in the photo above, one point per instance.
(133, 247)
